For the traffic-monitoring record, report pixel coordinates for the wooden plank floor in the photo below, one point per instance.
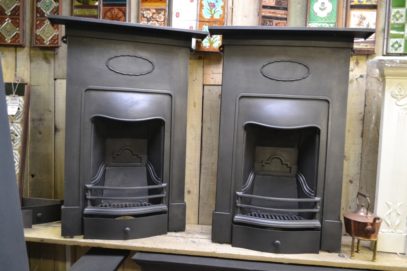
(196, 241)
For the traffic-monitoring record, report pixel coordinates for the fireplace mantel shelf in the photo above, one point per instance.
(195, 241)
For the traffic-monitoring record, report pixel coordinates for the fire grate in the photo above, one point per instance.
(284, 217)
(143, 199)
(124, 204)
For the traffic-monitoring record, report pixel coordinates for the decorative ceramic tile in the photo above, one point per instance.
(396, 31)
(9, 5)
(16, 132)
(211, 43)
(274, 12)
(45, 34)
(47, 5)
(396, 46)
(184, 14)
(8, 30)
(398, 16)
(322, 13)
(85, 8)
(17, 112)
(114, 13)
(153, 16)
(11, 22)
(210, 12)
(153, 12)
(363, 2)
(17, 159)
(114, 10)
(362, 17)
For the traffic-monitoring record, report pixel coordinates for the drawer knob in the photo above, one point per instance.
(277, 244)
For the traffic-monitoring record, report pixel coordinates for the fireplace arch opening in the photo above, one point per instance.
(127, 166)
(279, 178)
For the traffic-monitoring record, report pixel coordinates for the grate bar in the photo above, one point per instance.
(315, 210)
(272, 216)
(126, 198)
(123, 204)
(99, 187)
(242, 195)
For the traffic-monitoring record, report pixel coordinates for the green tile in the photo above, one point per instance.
(397, 31)
(398, 15)
(398, 3)
(396, 46)
(396, 36)
(398, 27)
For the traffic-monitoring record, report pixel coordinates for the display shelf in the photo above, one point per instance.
(196, 241)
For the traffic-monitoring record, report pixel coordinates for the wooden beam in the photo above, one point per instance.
(209, 155)
(46, 257)
(23, 53)
(61, 51)
(297, 13)
(8, 62)
(380, 27)
(354, 129)
(212, 69)
(229, 12)
(41, 139)
(134, 7)
(59, 144)
(193, 144)
(244, 13)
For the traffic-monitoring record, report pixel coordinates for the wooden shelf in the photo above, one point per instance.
(195, 241)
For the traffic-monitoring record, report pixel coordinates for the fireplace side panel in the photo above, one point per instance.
(71, 210)
(332, 223)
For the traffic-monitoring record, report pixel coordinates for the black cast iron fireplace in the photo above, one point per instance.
(125, 128)
(283, 111)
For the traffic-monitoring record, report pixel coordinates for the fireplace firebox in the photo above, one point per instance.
(283, 112)
(125, 128)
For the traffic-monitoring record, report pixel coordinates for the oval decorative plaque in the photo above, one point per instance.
(130, 65)
(285, 71)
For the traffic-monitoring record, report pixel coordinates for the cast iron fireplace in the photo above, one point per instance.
(283, 112)
(125, 128)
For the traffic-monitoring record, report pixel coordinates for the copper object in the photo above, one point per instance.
(362, 225)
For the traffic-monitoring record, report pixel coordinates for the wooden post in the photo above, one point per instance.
(209, 153)
(194, 122)
(41, 139)
(59, 145)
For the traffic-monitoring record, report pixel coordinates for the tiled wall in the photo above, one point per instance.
(396, 43)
